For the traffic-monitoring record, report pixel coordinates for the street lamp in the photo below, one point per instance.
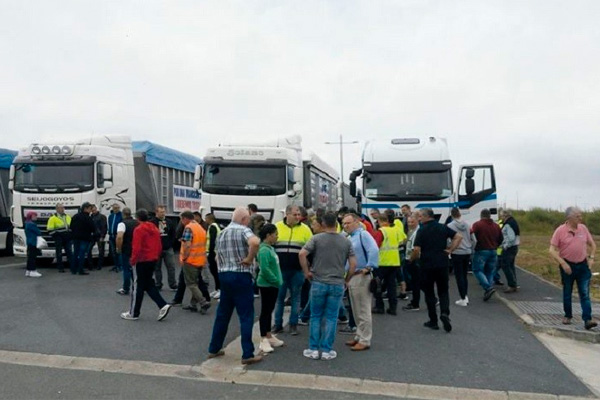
(342, 143)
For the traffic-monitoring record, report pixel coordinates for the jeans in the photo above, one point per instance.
(325, 302)
(582, 275)
(168, 257)
(112, 248)
(388, 275)
(431, 278)
(61, 243)
(81, 249)
(461, 262)
(143, 282)
(101, 246)
(127, 273)
(484, 267)
(508, 265)
(292, 281)
(236, 293)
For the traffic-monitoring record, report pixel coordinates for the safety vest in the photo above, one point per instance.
(58, 223)
(197, 255)
(291, 239)
(209, 239)
(499, 249)
(388, 252)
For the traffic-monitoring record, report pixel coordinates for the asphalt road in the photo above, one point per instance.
(79, 316)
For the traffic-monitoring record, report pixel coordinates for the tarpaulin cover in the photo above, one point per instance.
(163, 156)
(6, 158)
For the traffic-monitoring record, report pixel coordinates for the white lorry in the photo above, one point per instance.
(272, 176)
(418, 172)
(101, 170)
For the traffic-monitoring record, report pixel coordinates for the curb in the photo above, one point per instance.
(588, 337)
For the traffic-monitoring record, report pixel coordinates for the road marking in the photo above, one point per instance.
(21, 264)
(222, 370)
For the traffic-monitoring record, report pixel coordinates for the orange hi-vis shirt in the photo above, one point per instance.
(197, 236)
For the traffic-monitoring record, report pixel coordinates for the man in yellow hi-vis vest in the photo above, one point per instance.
(59, 228)
(388, 238)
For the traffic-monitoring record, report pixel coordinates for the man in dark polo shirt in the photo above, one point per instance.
(431, 247)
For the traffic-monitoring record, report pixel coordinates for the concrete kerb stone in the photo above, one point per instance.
(432, 392)
(338, 384)
(480, 394)
(530, 396)
(286, 379)
(575, 398)
(392, 389)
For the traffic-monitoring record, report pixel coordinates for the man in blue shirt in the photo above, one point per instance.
(367, 259)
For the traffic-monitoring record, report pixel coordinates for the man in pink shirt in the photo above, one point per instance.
(573, 247)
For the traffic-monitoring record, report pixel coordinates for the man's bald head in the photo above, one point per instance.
(241, 216)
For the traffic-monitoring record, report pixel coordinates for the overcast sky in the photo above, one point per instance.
(513, 83)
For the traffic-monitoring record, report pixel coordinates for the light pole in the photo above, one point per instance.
(342, 143)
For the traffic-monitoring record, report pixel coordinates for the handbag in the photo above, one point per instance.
(41, 243)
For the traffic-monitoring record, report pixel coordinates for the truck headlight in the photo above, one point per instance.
(18, 240)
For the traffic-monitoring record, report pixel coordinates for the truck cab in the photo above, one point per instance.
(418, 172)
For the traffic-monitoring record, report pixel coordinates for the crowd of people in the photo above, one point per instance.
(310, 261)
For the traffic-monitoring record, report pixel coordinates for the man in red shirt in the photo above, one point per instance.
(485, 261)
(146, 250)
(569, 246)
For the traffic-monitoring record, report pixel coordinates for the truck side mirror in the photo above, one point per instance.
(198, 177)
(353, 188)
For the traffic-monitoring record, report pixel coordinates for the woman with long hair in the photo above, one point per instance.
(32, 232)
(269, 280)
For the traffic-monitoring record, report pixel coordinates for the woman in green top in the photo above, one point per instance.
(269, 280)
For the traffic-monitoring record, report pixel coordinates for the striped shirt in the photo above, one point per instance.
(232, 248)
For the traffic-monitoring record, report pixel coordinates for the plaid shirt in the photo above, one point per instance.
(232, 248)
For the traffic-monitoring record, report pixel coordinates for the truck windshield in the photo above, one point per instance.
(54, 177)
(244, 180)
(408, 186)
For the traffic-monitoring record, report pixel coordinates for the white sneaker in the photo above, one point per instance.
(128, 316)
(467, 300)
(274, 341)
(34, 274)
(329, 356)
(462, 303)
(27, 272)
(265, 346)
(312, 354)
(217, 295)
(162, 314)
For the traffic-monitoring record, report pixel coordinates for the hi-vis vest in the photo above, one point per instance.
(389, 256)
(197, 256)
(209, 239)
(291, 239)
(56, 223)
(499, 249)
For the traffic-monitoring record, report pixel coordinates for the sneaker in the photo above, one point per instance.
(343, 320)
(403, 296)
(173, 288)
(348, 330)
(128, 316)
(446, 322)
(293, 330)
(410, 307)
(253, 360)
(510, 289)
(431, 325)
(204, 308)
(390, 311)
(217, 354)
(162, 314)
(328, 355)
(34, 274)
(498, 283)
(256, 295)
(190, 308)
(123, 292)
(312, 354)
(590, 324)
(461, 302)
(27, 272)
(276, 329)
(467, 300)
(274, 341)
(488, 294)
(217, 296)
(265, 346)
(302, 322)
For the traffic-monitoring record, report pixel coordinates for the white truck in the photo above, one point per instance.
(418, 172)
(6, 159)
(101, 170)
(272, 176)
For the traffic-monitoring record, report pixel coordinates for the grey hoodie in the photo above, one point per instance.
(466, 244)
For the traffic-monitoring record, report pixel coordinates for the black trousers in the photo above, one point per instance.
(415, 279)
(432, 278)
(268, 298)
(143, 282)
(388, 276)
(460, 263)
(212, 267)
(32, 253)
